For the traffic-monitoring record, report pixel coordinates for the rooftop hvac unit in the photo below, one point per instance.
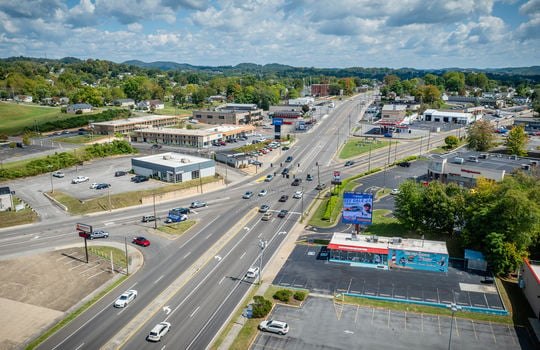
(167, 157)
(396, 240)
(184, 160)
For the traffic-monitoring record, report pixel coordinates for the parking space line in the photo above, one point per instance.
(456, 326)
(372, 315)
(349, 287)
(97, 274)
(474, 330)
(389, 318)
(438, 297)
(405, 320)
(422, 324)
(356, 315)
(72, 268)
(439, 321)
(512, 335)
(89, 269)
(492, 332)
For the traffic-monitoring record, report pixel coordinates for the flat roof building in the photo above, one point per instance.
(388, 252)
(464, 168)
(173, 167)
(232, 113)
(198, 138)
(128, 125)
(530, 284)
(433, 115)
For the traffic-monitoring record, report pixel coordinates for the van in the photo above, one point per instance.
(148, 218)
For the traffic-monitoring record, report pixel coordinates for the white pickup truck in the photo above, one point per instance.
(79, 179)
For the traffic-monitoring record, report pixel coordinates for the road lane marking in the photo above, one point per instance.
(241, 256)
(194, 312)
(80, 346)
(188, 254)
(159, 279)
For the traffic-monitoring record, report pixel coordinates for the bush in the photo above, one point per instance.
(283, 295)
(261, 306)
(332, 202)
(299, 295)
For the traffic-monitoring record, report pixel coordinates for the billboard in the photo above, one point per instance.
(357, 208)
(406, 259)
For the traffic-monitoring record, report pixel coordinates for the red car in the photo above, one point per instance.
(141, 241)
(284, 198)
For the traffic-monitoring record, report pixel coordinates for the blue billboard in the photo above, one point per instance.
(407, 259)
(277, 121)
(357, 208)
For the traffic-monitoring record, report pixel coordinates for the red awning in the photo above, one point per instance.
(358, 249)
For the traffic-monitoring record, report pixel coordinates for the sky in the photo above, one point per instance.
(422, 34)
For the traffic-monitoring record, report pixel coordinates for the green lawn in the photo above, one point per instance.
(15, 117)
(21, 217)
(178, 228)
(356, 147)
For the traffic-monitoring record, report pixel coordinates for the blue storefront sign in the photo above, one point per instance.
(407, 259)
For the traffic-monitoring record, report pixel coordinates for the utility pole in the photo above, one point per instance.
(127, 258)
(155, 216)
(262, 245)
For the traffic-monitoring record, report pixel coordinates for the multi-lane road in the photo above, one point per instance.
(197, 281)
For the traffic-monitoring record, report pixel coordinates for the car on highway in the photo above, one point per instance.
(264, 208)
(159, 331)
(267, 216)
(256, 163)
(197, 204)
(98, 234)
(309, 177)
(93, 185)
(298, 194)
(58, 174)
(263, 193)
(102, 186)
(289, 159)
(296, 182)
(285, 148)
(349, 163)
(320, 187)
(120, 173)
(283, 198)
(248, 195)
(125, 298)
(148, 218)
(156, 146)
(394, 191)
(274, 326)
(285, 171)
(176, 218)
(80, 179)
(269, 178)
(141, 241)
(282, 213)
(252, 272)
(388, 134)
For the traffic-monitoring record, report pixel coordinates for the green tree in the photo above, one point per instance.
(430, 94)
(408, 205)
(480, 136)
(496, 253)
(88, 94)
(517, 141)
(451, 141)
(431, 79)
(454, 81)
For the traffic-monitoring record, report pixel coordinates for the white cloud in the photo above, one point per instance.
(135, 27)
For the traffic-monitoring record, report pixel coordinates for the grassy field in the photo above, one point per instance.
(356, 147)
(15, 117)
(119, 256)
(178, 228)
(21, 217)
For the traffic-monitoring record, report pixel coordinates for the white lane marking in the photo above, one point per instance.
(241, 256)
(80, 346)
(223, 279)
(87, 322)
(160, 277)
(194, 312)
(188, 254)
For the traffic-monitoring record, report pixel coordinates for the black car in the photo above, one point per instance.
(139, 178)
(349, 163)
(296, 182)
(120, 173)
(282, 213)
(285, 171)
(405, 164)
(102, 186)
(181, 210)
(285, 148)
(289, 159)
(309, 177)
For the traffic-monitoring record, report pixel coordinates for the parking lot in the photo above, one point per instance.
(322, 324)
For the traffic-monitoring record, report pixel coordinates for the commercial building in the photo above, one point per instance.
(301, 101)
(529, 282)
(465, 168)
(320, 90)
(173, 167)
(528, 123)
(198, 138)
(125, 126)
(232, 158)
(433, 115)
(387, 252)
(232, 113)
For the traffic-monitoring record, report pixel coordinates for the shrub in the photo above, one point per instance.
(261, 306)
(283, 295)
(299, 295)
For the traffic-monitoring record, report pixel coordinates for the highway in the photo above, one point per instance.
(197, 281)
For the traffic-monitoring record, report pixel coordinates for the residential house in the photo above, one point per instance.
(150, 105)
(79, 108)
(124, 102)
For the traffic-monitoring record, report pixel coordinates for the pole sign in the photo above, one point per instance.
(277, 121)
(357, 208)
(336, 180)
(83, 228)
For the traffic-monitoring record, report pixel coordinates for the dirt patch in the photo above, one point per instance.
(36, 290)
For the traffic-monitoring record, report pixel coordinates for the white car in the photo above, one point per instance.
(252, 272)
(159, 331)
(274, 326)
(58, 174)
(394, 191)
(263, 193)
(80, 179)
(298, 194)
(94, 185)
(125, 298)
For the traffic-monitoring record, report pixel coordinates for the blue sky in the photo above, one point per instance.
(302, 33)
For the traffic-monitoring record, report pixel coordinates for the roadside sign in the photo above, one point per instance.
(83, 228)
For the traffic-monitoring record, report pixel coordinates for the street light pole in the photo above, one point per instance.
(454, 307)
(52, 188)
(262, 245)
